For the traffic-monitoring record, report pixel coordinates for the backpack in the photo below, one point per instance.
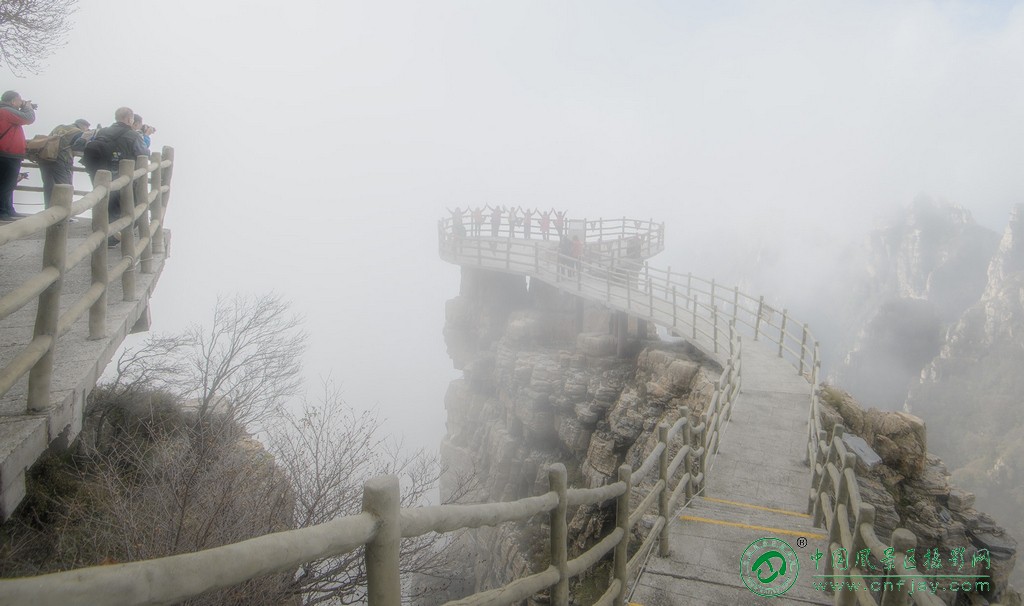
(48, 147)
(99, 151)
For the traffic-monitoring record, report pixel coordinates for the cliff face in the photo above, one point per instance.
(911, 488)
(912, 280)
(970, 394)
(542, 383)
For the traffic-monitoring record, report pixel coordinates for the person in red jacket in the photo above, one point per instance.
(14, 113)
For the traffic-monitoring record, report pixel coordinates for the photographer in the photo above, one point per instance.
(14, 113)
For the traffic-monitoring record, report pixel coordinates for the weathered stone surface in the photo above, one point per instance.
(534, 392)
(596, 344)
(867, 459)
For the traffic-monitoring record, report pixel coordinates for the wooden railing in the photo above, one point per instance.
(712, 316)
(144, 185)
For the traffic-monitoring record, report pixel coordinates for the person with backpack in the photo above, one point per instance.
(105, 151)
(15, 112)
(57, 170)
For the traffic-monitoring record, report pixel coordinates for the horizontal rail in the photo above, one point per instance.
(445, 518)
(175, 578)
(516, 591)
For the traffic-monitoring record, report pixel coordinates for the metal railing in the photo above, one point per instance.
(144, 186)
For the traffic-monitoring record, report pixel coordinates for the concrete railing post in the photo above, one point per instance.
(621, 570)
(383, 583)
(127, 167)
(694, 319)
(782, 331)
(48, 310)
(688, 458)
(98, 262)
(141, 194)
(814, 500)
(674, 313)
(902, 541)
(735, 302)
(165, 179)
(156, 210)
(757, 320)
(803, 350)
(714, 315)
(559, 535)
(663, 497)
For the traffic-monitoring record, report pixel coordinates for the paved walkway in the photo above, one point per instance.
(757, 487)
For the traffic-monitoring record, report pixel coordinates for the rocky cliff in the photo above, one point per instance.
(970, 394)
(903, 289)
(543, 383)
(911, 488)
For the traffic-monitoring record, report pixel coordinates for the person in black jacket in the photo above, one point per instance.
(118, 141)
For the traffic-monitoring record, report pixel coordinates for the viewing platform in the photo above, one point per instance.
(66, 304)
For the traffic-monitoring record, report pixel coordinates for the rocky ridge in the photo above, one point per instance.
(911, 488)
(542, 383)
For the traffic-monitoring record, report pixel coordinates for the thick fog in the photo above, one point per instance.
(318, 143)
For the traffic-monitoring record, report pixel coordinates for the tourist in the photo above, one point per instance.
(58, 171)
(15, 112)
(105, 151)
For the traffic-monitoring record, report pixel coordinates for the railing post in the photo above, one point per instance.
(689, 286)
(48, 310)
(98, 262)
(814, 501)
(383, 582)
(127, 167)
(559, 535)
(841, 500)
(757, 320)
(165, 179)
(663, 497)
(735, 302)
(694, 302)
(156, 213)
(705, 419)
(141, 194)
(622, 522)
(712, 291)
(902, 541)
(674, 319)
(688, 457)
(782, 331)
(803, 349)
(714, 314)
(650, 295)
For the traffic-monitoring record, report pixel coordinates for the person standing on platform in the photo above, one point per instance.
(58, 171)
(105, 151)
(15, 112)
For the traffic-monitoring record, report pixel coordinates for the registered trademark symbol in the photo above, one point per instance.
(801, 542)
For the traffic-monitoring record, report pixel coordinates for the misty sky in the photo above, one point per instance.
(318, 143)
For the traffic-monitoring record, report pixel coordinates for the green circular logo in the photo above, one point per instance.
(769, 567)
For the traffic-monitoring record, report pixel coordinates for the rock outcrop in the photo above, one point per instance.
(913, 279)
(970, 394)
(542, 383)
(911, 488)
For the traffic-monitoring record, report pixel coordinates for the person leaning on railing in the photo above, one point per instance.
(15, 112)
(58, 171)
(105, 151)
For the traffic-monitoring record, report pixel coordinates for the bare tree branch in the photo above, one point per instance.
(30, 30)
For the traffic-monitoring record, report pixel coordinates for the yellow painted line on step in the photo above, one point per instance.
(771, 509)
(808, 535)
